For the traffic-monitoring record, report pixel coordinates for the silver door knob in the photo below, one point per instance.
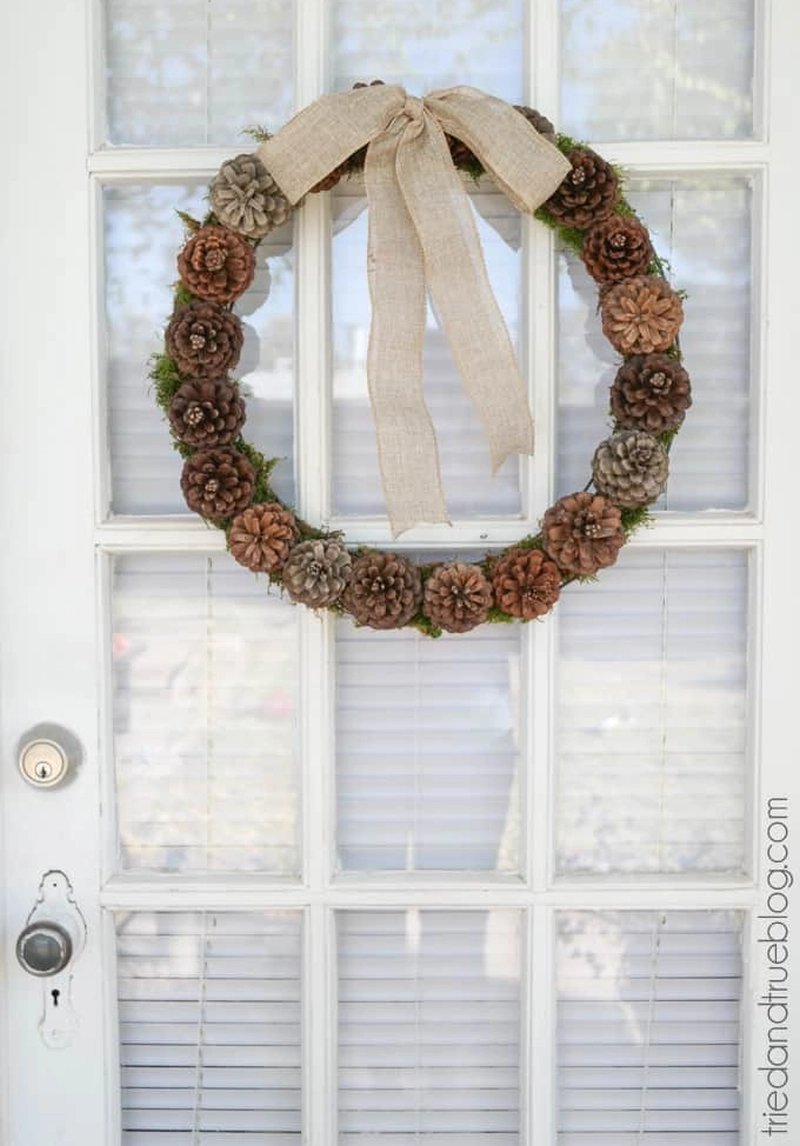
(44, 948)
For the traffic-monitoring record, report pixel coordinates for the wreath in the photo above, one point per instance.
(405, 146)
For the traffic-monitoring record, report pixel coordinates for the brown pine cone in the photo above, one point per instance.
(630, 468)
(583, 533)
(384, 591)
(617, 248)
(641, 315)
(540, 122)
(217, 483)
(330, 181)
(206, 413)
(217, 264)
(526, 583)
(204, 340)
(262, 536)
(317, 572)
(587, 194)
(246, 198)
(651, 392)
(466, 159)
(457, 597)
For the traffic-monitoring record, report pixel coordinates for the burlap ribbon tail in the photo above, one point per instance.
(422, 234)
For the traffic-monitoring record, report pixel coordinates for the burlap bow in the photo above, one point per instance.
(422, 233)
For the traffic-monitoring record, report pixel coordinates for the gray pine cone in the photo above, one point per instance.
(317, 572)
(630, 468)
(246, 198)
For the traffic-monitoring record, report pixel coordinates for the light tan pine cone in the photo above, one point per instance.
(630, 468)
(651, 392)
(526, 583)
(641, 315)
(316, 572)
(457, 597)
(217, 483)
(261, 537)
(246, 198)
(583, 533)
(207, 412)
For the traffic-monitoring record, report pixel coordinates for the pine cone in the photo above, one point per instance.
(330, 181)
(217, 483)
(587, 194)
(317, 572)
(204, 340)
(466, 159)
(217, 264)
(246, 198)
(583, 533)
(540, 122)
(457, 597)
(630, 468)
(206, 413)
(617, 248)
(641, 315)
(651, 392)
(526, 583)
(384, 591)
(262, 536)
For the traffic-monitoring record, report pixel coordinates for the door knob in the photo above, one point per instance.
(44, 948)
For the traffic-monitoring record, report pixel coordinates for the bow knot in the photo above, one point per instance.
(419, 240)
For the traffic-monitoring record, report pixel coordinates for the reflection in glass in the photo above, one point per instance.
(205, 701)
(703, 228)
(143, 235)
(192, 72)
(429, 1027)
(657, 69)
(427, 753)
(651, 715)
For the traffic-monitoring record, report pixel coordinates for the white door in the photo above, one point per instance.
(530, 886)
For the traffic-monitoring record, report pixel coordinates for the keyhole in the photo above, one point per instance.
(43, 770)
(54, 995)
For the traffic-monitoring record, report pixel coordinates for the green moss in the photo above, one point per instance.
(263, 467)
(182, 295)
(425, 626)
(498, 617)
(190, 223)
(633, 519)
(532, 541)
(167, 380)
(257, 132)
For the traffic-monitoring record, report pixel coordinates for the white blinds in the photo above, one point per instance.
(648, 1028)
(651, 711)
(209, 1018)
(429, 1028)
(426, 750)
(205, 752)
(143, 235)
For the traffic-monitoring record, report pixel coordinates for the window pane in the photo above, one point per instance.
(648, 1027)
(470, 489)
(194, 72)
(429, 1027)
(703, 228)
(204, 716)
(143, 235)
(209, 1018)
(651, 715)
(427, 753)
(657, 69)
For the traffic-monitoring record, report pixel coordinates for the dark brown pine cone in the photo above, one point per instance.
(330, 181)
(217, 264)
(641, 314)
(466, 159)
(583, 533)
(630, 468)
(206, 413)
(384, 591)
(246, 198)
(217, 483)
(262, 536)
(317, 572)
(587, 194)
(526, 583)
(651, 392)
(457, 597)
(540, 122)
(617, 248)
(204, 340)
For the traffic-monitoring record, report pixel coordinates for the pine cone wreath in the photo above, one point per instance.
(384, 591)
(217, 483)
(651, 392)
(262, 536)
(616, 248)
(587, 194)
(316, 572)
(246, 198)
(526, 583)
(204, 340)
(641, 315)
(457, 597)
(583, 533)
(630, 468)
(206, 413)
(217, 264)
